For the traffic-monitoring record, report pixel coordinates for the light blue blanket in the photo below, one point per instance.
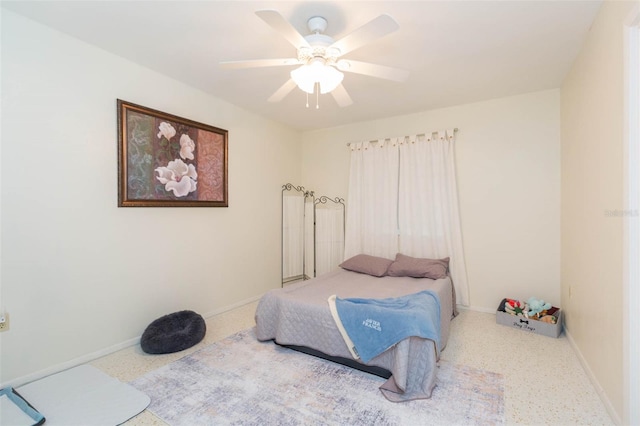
(375, 325)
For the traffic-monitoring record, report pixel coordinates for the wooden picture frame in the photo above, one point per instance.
(169, 161)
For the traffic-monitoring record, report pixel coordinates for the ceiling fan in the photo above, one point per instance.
(320, 57)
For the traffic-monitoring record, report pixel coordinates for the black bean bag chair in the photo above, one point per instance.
(173, 333)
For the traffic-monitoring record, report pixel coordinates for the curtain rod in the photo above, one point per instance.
(419, 134)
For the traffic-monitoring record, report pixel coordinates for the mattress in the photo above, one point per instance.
(299, 315)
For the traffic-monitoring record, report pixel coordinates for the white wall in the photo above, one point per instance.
(592, 185)
(80, 275)
(508, 165)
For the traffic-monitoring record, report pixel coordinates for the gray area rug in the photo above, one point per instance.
(241, 381)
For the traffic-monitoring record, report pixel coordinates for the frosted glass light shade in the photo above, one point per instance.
(304, 78)
(307, 76)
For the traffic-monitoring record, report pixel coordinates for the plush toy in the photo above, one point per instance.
(550, 319)
(515, 307)
(537, 307)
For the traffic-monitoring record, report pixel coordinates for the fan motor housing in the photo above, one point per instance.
(319, 44)
(317, 24)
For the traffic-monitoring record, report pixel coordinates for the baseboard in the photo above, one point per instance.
(69, 364)
(104, 352)
(231, 307)
(592, 378)
(476, 309)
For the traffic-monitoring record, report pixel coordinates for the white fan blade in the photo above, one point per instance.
(258, 63)
(373, 70)
(379, 27)
(341, 96)
(281, 25)
(283, 91)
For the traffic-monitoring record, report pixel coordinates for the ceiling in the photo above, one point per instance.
(457, 52)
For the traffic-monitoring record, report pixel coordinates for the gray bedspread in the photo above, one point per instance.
(299, 315)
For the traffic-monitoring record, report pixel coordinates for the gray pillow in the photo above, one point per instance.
(366, 264)
(406, 266)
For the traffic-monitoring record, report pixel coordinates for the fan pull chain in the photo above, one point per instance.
(317, 90)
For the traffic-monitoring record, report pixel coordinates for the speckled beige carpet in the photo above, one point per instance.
(241, 381)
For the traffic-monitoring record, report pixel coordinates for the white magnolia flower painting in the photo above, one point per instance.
(178, 177)
(166, 130)
(169, 161)
(186, 147)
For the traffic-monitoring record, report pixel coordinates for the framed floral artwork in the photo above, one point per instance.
(169, 161)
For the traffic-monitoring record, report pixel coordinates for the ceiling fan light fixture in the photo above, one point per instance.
(317, 71)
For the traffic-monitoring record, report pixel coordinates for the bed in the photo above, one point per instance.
(299, 316)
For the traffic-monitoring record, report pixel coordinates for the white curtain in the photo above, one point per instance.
(403, 198)
(428, 215)
(329, 237)
(292, 236)
(372, 222)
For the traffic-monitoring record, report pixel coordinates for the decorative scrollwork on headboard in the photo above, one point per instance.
(289, 187)
(324, 199)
